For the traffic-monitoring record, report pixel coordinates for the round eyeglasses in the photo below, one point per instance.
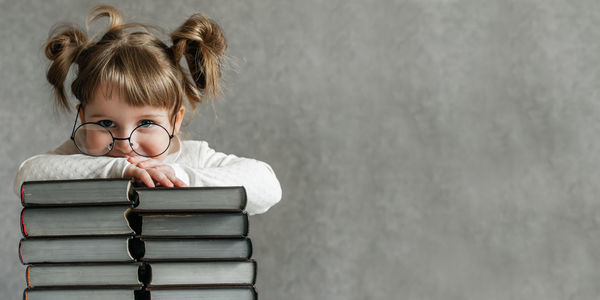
(147, 139)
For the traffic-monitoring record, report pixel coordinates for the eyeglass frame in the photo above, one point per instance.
(75, 128)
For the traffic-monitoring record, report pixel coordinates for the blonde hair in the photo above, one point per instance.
(144, 69)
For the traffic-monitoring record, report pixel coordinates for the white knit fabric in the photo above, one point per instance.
(194, 162)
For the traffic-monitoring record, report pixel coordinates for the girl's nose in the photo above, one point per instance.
(121, 146)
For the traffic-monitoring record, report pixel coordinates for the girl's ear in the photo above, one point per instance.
(179, 119)
(80, 110)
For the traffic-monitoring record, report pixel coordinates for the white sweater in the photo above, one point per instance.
(194, 162)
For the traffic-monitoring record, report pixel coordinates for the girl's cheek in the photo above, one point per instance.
(96, 142)
(151, 142)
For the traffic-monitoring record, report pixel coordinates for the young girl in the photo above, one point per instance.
(131, 88)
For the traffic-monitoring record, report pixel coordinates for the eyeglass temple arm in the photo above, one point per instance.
(173, 131)
(75, 124)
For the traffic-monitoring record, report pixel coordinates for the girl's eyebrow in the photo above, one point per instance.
(151, 116)
(96, 116)
(99, 115)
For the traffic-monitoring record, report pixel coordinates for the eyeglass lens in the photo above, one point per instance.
(147, 140)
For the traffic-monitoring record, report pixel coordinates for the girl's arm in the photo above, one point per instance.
(218, 169)
(62, 164)
(262, 187)
(206, 167)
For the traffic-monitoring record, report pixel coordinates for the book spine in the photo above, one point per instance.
(23, 194)
(246, 224)
(27, 276)
(136, 248)
(21, 251)
(254, 293)
(142, 294)
(132, 195)
(134, 221)
(255, 271)
(23, 227)
(145, 273)
(250, 247)
(244, 199)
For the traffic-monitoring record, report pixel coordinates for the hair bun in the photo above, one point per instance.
(63, 47)
(199, 30)
(70, 40)
(202, 42)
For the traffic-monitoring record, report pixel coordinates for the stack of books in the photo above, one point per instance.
(107, 239)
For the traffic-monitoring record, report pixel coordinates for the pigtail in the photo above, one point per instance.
(201, 41)
(63, 47)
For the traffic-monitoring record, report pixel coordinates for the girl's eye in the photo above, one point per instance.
(146, 123)
(106, 123)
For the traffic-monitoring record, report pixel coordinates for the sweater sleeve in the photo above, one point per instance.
(218, 169)
(57, 165)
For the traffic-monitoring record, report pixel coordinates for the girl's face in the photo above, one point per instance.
(120, 118)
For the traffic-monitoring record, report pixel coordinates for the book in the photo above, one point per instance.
(88, 294)
(120, 220)
(77, 192)
(165, 274)
(191, 199)
(196, 293)
(194, 224)
(165, 249)
(84, 275)
(79, 249)
(130, 249)
(159, 274)
(209, 293)
(95, 192)
(78, 221)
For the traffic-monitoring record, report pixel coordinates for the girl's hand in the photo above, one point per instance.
(151, 171)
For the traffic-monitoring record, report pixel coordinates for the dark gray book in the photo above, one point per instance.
(210, 273)
(210, 293)
(79, 249)
(158, 274)
(191, 199)
(78, 294)
(77, 192)
(129, 249)
(120, 220)
(195, 293)
(78, 221)
(194, 224)
(113, 191)
(162, 249)
(84, 275)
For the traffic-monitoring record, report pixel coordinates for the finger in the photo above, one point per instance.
(176, 181)
(162, 168)
(149, 163)
(160, 177)
(179, 183)
(165, 169)
(145, 178)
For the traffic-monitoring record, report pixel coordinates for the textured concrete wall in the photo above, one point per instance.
(427, 149)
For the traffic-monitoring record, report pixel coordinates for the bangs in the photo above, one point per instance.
(138, 76)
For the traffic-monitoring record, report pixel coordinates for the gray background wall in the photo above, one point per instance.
(426, 149)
